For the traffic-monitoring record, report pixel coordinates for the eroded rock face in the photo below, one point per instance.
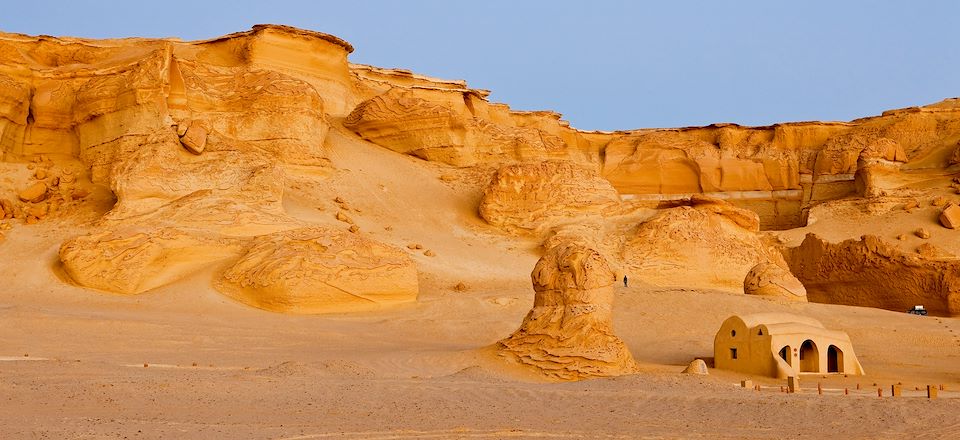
(318, 270)
(871, 273)
(191, 142)
(444, 132)
(773, 280)
(950, 216)
(568, 335)
(708, 244)
(531, 196)
(134, 261)
(668, 162)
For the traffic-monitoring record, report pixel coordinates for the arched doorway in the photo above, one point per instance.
(834, 359)
(809, 357)
(787, 354)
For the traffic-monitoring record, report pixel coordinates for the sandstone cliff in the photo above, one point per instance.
(197, 145)
(871, 273)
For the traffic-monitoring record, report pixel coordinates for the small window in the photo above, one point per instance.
(733, 353)
(733, 333)
(760, 332)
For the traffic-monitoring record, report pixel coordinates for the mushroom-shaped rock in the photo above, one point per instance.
(771, 279)
(320, 270)
(568, 335)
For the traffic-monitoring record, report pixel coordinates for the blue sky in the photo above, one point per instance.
(604, 64)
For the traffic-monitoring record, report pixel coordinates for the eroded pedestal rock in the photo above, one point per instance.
(318, 270)
(568, 335)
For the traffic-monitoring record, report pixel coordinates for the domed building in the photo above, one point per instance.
(782, 345)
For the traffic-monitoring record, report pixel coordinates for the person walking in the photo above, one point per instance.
(624, 281)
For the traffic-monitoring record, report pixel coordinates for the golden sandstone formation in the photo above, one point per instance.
(773, 280)
(872, 273)
(316, 270)
(568, 335)
(535, 196)
(200, 143)
(708, 243)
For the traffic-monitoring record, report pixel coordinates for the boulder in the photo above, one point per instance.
(696, 366)
(772, 280)
(194, 139)
(320, 270)
(950, 216)
(568, 335)
(35, 193)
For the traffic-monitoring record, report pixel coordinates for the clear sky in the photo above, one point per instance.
(604, 64)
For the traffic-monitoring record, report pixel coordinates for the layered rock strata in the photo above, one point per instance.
(533, 196)
(871, 273)
(568, 335)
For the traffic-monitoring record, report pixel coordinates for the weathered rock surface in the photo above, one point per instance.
(35, 193)
(132, 262)
(773, 280)
(871, 273)
(198, 140)
(707, 244)
(696, 366)
(447, 132)
(568, 335)
(531, 196)
(194, 138)
(950, 216)
(317, 270)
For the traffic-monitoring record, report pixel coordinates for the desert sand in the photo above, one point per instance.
(251, 237)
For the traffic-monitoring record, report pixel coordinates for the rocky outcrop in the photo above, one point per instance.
(132, 261)
(318, 270)
(533, 196)
(871, 273)
(568, 335)
(707, 243)
(774, 281)
(878, 166)
(666, 162)
(439, 131)
(696, 366)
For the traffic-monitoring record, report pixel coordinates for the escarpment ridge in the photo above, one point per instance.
(203, 144)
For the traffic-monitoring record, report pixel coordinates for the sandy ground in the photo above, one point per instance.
(218, 369)
(183, 361)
